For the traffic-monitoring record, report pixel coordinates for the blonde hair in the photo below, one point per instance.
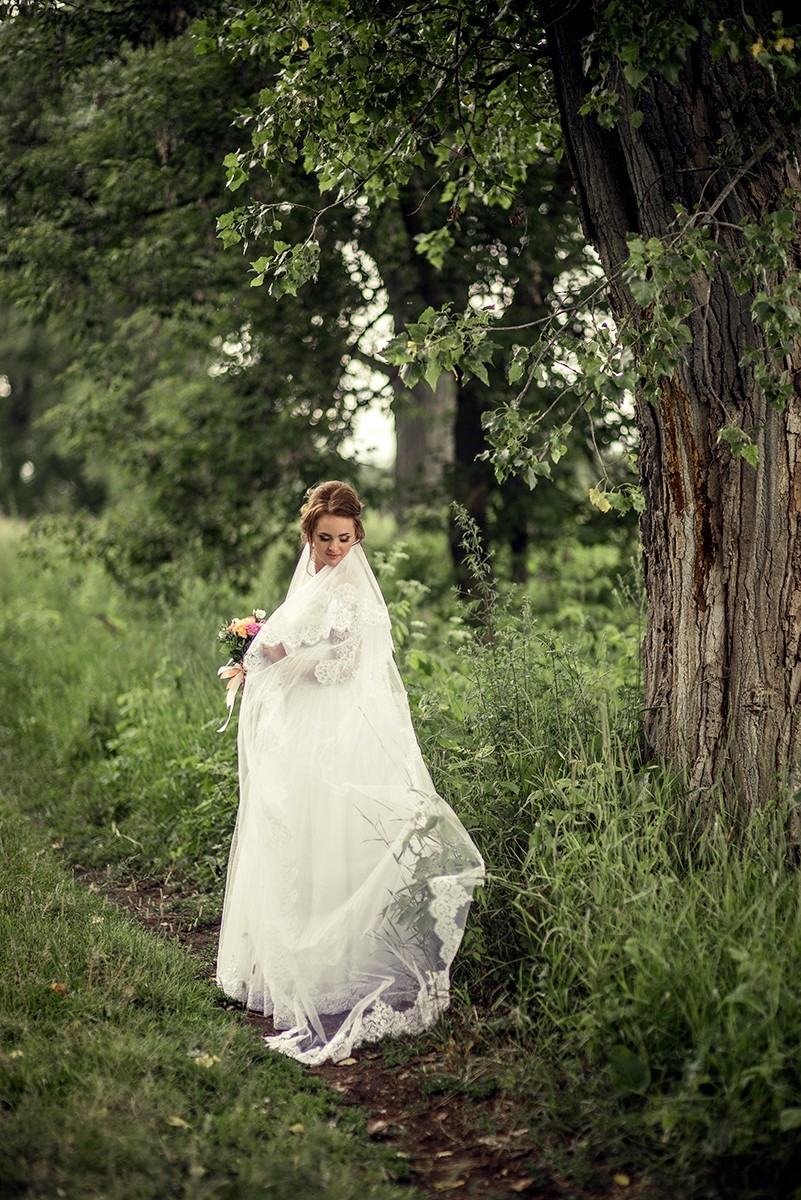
(331, 499)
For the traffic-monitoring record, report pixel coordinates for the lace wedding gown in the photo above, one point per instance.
(349, 878)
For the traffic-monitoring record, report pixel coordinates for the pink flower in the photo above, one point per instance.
(253, 628)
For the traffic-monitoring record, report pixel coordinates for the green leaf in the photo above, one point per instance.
(789, 1119)
(629, 1074)
(670, 69)
(644, 291)
(634, 74)
(536, 470)
(740, 444)
(229, 237)
(411, 373)
(473, 366)
(432, 372)
(435, 245)
(236, 177)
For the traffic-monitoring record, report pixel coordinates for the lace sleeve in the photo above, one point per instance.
(325, 645)
(337, 656)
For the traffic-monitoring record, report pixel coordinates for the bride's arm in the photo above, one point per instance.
(326, 649)
(335, 656)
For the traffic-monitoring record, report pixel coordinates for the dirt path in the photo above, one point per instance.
(474, 1145)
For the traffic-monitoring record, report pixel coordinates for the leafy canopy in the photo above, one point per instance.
(363, 95)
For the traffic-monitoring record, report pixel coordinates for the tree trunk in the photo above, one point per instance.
(424, 420)
(720, 539)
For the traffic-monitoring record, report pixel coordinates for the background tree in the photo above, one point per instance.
(35, 477)
(190, 400)
(441, 440)
(203, 412)
(439, 231)
(681, 130)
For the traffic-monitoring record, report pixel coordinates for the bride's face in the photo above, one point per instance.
(332, 539)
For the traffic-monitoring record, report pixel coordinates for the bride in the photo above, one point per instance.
(349, 878)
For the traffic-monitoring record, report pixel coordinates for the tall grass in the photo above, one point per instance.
(649, 961)
(110, 709)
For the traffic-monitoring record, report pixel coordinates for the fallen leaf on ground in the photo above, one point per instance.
(377, 1126)
(61, 988)
(522, 1185)
(297, 1128)
(205, 1060)
(346, 1062)
(178, 1123)
(450, 1186)
(622, 1180)
(444, 1154)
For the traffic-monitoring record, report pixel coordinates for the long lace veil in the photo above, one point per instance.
(349, 878)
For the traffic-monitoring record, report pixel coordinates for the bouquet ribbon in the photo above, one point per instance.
(235, 674)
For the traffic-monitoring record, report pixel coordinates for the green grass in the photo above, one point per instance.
(129, 1080)
(109, 717)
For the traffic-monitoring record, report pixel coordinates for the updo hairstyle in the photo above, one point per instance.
(330, 499)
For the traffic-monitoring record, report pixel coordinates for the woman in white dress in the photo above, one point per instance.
(349, 878)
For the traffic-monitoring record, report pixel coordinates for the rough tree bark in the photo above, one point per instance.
(721, 540)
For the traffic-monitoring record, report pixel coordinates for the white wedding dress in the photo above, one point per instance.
(349, 878)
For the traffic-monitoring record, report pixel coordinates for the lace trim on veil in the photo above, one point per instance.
(372, 1018)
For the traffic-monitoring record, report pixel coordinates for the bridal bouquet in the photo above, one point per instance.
(236, 638)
